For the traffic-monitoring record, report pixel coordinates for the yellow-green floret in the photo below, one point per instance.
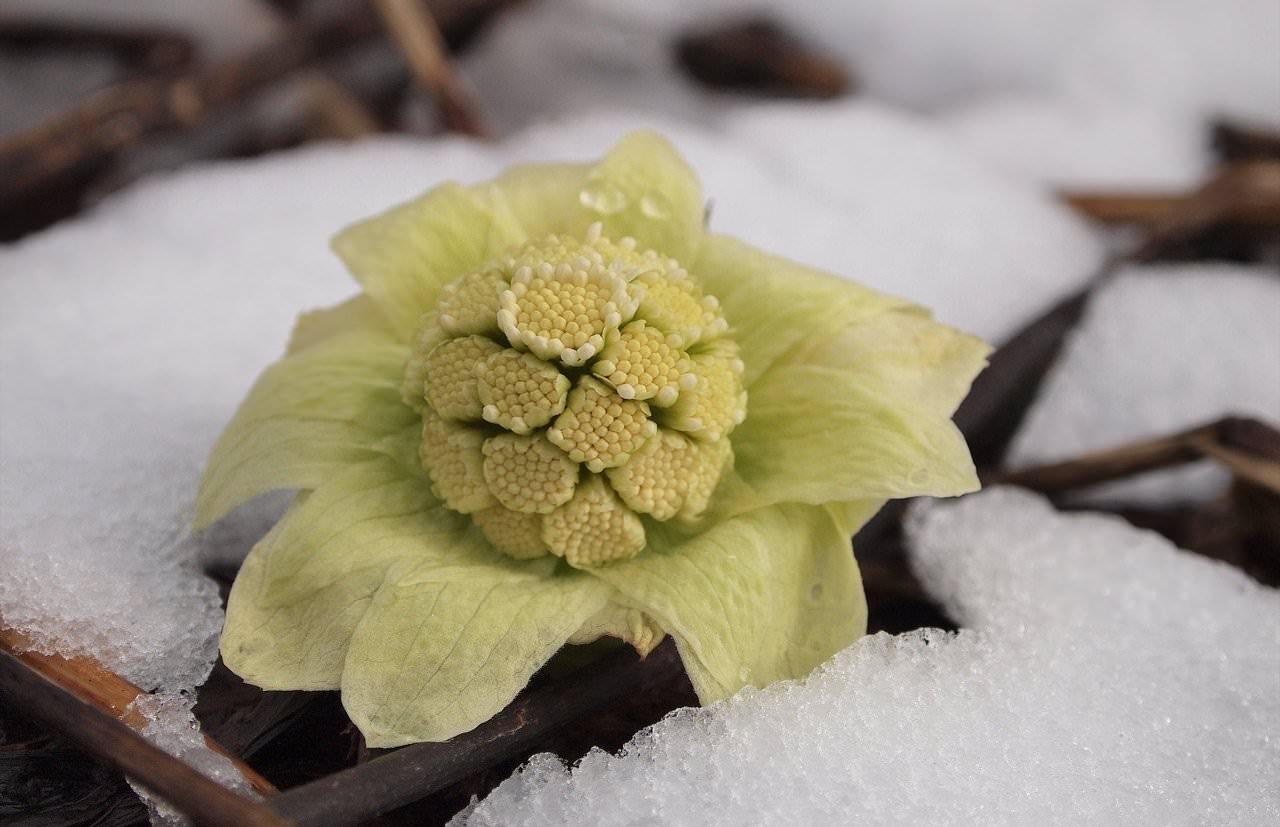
(571, 387)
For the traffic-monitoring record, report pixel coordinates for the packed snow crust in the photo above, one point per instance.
(1160, 349)
(1102, 677)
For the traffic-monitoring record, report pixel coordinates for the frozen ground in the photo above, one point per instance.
(1102, 677)
(128, 336)
(1161, 349)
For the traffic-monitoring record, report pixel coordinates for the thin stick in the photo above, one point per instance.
(145, 48)
(92, 684)
(1124, 207)
(337, 112)
(758, 55)
(119, 116)
(1244, 194)
(203, 800)
(367, 790)
(415, 31)
(1254, 460)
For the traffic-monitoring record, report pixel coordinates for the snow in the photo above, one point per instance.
(1102, 677)
(1161, 349)
(1186, 56)
(1072, 145)
(172, 726)
(1079, 93)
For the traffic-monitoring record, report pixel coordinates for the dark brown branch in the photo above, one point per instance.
(1245, 194)
(415, 32)
(414, 772)
(1240, 142)
(203, 800)
(1248, 448)
(1124, 207)
(1001, 394)
(119, 116)
(334, 111)
(144, 49)
(759, 56)
(104, 690)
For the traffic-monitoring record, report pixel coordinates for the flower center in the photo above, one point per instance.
(570, 388)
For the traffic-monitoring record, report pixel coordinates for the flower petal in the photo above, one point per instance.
(358, 314)
(306, 418)
(818, 435)
(626, 624)
(906, 355)
(373, 514)
(305, 585)
(543, 198)
(439, 653)
(774, 305)
(761, 597)
(642, 188)
(404, 256)
(849, 391)
(298, 645)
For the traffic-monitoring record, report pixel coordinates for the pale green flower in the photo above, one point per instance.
(562, 409)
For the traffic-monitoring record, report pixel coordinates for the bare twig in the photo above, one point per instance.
(102, 689)
(758, 55)
(1125, 207)
(119, 116)
(336, 112)
(1241, 142)
(1250, 449)
(203, 800)
(145, 49)
(414, 30)
(1245, 194)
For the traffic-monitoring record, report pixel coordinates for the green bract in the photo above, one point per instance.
(561, 409)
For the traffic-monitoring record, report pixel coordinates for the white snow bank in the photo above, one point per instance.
(1080, 93)
(1103, 677)
(1071, 145)
(1186, 56)
(1161, 349)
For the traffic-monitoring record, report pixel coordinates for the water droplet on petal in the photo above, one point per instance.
(603, 197)
(655, 206)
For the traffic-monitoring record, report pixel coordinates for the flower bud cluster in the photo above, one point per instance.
(572, 388)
